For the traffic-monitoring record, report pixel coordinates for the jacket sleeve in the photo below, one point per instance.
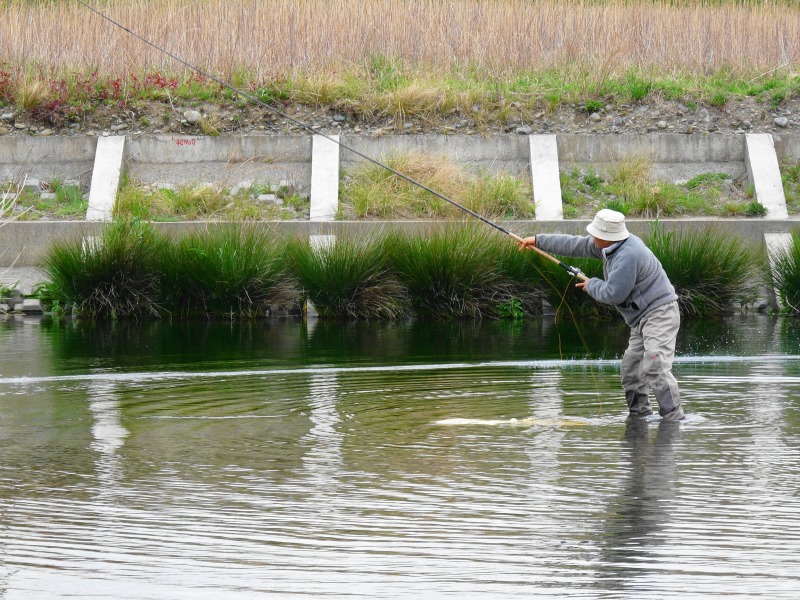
(618, 285)
(577, 246)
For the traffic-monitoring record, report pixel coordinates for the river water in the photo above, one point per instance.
(414, 460)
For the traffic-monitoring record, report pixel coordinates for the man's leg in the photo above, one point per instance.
(659, 330)
(633, 380)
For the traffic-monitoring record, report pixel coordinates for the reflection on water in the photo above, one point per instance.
(640, 515)
(396, 460)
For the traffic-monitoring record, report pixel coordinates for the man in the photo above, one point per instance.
(635, 282)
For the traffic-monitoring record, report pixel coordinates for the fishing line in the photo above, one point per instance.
(575, 272)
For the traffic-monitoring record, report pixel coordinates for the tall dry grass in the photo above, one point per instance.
(271, 40)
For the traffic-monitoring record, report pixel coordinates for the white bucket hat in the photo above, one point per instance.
(608, 225)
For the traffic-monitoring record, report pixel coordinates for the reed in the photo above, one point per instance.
(114, 275)
(306, 35)
(712, 271)
(348, 278)
(230, 270)
(785, 274)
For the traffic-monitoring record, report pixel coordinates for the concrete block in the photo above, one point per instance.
(269, 199)
(324, 178)
(764, 174)
(545, 177)
(33, 186)
(105, 178)
(242, 185)
(31, 306)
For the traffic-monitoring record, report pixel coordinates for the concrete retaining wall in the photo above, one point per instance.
(223, 160)
(503, 152)
(674, 157)
(47, 158)
(230, 160)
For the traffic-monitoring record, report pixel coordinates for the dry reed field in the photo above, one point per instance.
(273, 40)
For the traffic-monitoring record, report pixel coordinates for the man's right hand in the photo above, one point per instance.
(527, 243)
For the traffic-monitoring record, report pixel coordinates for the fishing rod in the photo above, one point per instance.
(574, 271)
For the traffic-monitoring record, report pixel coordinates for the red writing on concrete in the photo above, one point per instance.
(185, 141)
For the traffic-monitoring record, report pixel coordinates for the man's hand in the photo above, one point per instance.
(581, 285)
(527, 243)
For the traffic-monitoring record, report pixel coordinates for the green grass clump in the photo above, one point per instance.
(113, 275)
(785, 274)
(374, 191)
(790, 173)
(452, 274)
(711, 270)
(229, 270)
(348, 278)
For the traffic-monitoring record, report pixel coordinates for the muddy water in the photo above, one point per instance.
(393, 461)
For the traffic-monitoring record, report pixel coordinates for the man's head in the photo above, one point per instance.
(607, 228)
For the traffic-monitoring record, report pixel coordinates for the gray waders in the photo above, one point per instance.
(648, 361)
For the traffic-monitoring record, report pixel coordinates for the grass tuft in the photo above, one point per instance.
(348, 278)
(454, 273)
(711, 270)
(31, 93)
(229, 270)
(114, 275)
(785, 274)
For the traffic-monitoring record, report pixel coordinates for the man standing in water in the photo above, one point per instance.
(636, 284)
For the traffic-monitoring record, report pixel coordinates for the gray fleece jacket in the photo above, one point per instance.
(635, 282)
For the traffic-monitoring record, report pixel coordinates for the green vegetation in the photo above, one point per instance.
(628, 188)
(459, 271)
(561, 293)
(711, 270)
(205, 202)
(462, 272)
(784, 275)
(228, 270)
(115, 275)
(57, 200)
(373, 191)
(397, 68)
(349, 278)
(790, 173)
